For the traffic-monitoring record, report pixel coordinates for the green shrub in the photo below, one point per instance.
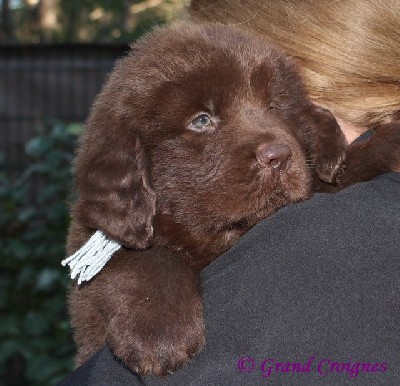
(35, 339)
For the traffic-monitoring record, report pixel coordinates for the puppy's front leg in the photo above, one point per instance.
(152, 308)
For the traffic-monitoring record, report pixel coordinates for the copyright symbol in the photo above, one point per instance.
(246, 364)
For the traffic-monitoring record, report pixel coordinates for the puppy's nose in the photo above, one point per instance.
(277, 157)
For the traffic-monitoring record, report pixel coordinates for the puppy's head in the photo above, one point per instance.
(199, 133)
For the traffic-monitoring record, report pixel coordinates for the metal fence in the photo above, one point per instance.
(43, 82)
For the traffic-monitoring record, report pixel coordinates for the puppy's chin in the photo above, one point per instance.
(297, 184)
(273, 191)
(287, 190)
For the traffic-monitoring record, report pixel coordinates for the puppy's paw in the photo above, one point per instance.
(386, 146)
(330, 147)
(158, 345)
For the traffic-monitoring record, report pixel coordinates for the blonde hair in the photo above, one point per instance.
(348, 50)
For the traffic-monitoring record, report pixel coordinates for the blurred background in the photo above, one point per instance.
(54, 57)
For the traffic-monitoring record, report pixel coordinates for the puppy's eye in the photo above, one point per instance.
(273, 105)
(202, 121)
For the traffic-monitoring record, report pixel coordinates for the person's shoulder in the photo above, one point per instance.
(374, 193)
(392, 177)
(362, 214)
(365, 197)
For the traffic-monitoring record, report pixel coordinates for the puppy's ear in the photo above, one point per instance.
(113, 181)
(330, 144)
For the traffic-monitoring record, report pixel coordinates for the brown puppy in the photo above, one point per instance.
(199, 133)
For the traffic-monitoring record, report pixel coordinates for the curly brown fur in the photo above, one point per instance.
(177, 195)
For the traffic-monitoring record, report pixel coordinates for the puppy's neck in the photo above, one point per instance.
(197, 246)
